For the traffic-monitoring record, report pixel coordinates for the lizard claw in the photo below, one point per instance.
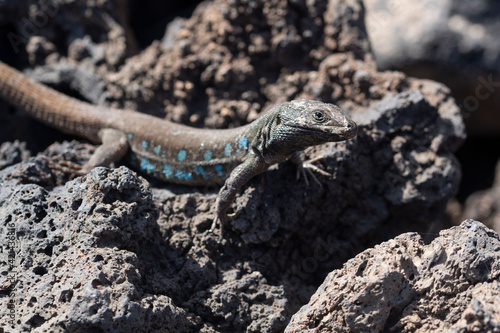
(218, 221)
(221, 220)
(69, 167)
(307, 171)
(306, 168)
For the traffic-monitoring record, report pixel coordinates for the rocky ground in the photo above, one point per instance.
(112, 251)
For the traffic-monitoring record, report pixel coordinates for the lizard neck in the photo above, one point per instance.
(269, 139)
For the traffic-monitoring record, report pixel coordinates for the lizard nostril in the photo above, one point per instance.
(351, 127)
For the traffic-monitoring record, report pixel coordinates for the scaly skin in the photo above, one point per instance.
(178, 153)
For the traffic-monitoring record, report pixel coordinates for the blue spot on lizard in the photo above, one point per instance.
(167, 171)
(183, 175)
(151, 168)
(200, 171)
(146, 166)
(228, 150)
(181, 156)
(157, 150)
(218, 169)
(208, 155)
(243, 142)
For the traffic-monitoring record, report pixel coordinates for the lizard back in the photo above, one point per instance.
(165, 150)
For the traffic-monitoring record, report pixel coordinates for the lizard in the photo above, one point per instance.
(179, 153)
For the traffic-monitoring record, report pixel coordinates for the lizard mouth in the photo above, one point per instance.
(350, 129)
(333, 133)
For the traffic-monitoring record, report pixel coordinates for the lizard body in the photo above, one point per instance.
(178, 153)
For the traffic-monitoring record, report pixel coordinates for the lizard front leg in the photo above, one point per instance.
(252, 166)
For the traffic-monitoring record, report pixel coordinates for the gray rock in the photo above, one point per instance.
(404, 285)
(12, 153)
(71, 254)
(485, 205)
(100, 252)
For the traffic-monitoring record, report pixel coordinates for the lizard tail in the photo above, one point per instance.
(49, 106)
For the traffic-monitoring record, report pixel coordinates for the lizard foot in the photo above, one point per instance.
(222, 222)
(307, 168)
(68, 167)
(217, 221)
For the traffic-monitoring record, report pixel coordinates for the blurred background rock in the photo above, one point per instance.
(456, 43)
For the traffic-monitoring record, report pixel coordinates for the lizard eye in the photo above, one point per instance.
(319, 116)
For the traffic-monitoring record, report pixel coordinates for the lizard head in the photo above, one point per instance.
(313, 122)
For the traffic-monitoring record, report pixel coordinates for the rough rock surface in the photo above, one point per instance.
(150, 263)
(74, 257)
(485, 205)
(404, 285)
